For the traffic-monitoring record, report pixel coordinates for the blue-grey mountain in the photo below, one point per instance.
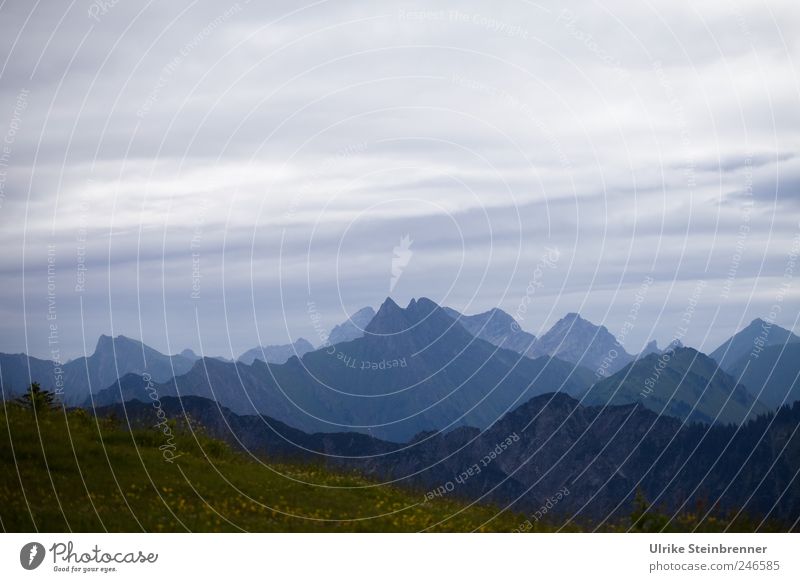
(578, 341)
(414, 370)
(276, 354)
(112, 358)
(773, 376)
(352, 328)
(498, 328)
(683, 383)
(758, 335)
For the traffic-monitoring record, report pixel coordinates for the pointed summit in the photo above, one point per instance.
(758, 335)
(103, 342)
(579, 341)
(107, 344)
(389, 303)
(650, 348)
(422, 307)
(391, 318)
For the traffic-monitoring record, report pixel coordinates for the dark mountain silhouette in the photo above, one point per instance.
(774, 375)
(416, 369)
(683, 383)
(601, 455)
(276, 354)
(498, 328)
(750, 340)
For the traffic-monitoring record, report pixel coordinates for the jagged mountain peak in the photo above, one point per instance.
(389, 305)
(650, 348)
(392, 319)
(574, 323)
(107, 343)
(581, 342)
(422, 306)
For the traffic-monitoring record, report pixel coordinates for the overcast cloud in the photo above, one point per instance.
(282, 152)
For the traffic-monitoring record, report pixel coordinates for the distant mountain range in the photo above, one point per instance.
(350, 329)
(684, 384)
(498, 328)
(572, 339)
(277, 354)
(112, 358)
(582, 343)
(414, 370)
(419, 394)
(402, 371)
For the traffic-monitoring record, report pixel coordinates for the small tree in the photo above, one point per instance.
(645, 518)
(37, 399)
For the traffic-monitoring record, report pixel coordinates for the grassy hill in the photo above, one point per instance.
(72, 472)
(69, 471)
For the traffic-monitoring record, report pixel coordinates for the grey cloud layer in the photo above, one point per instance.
(290, 148)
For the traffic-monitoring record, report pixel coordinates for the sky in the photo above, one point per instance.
(220, 175)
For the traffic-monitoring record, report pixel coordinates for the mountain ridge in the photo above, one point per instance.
(415, 370)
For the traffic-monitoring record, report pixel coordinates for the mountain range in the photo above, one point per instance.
(414, 370)
(277, 354)
(572, 339)
(601, 455)
(423, 394)
(402, 371)
(78, 378)
(682, 383)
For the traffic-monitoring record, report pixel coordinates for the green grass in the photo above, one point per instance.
(71, 472)
(62, 472)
